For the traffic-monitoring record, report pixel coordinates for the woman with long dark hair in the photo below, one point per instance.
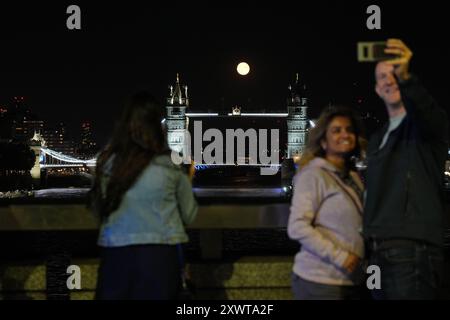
(144, 200)
(326, 211)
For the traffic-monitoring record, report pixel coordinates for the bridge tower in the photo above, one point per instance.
(35, 144)
(297, 107)
(176, 120)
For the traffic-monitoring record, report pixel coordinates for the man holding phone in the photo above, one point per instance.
(404, 208)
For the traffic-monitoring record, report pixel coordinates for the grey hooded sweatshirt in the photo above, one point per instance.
(326, 218)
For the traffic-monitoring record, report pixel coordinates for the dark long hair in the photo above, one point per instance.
(137, 138)
(318, 133)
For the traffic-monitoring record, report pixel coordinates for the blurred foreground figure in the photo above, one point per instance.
(144, 200)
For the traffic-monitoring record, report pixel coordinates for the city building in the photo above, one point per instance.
(86, 133)
(32, 126)
(18, 122)
(297, 121)
(57, 140)
(87, 147)
(5, 125)
(176, 120)
(19, 114)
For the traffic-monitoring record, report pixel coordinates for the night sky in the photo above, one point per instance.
(127, 46)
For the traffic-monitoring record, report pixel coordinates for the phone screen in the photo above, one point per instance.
(373, 51)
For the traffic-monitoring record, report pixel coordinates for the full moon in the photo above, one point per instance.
(243, 68)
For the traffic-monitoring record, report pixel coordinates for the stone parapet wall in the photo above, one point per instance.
(246, 278)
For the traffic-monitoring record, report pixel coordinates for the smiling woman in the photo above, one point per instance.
(326, 205)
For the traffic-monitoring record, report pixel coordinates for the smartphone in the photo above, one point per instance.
(373, 51)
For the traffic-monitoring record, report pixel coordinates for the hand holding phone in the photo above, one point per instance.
(402, 58)
(373, 51)
(393, 51)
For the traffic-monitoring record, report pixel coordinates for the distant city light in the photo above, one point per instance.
(311, 123)
(202, 114)
(262, 114)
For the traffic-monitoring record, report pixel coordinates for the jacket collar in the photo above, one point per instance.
(319, 162)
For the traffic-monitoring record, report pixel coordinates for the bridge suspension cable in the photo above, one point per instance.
(65, 158)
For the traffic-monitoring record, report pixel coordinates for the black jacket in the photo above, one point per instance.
(405, 178)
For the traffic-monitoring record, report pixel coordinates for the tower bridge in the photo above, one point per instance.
(297, 122)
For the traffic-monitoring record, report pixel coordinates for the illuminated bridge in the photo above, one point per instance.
(49, 158)
(52, 159)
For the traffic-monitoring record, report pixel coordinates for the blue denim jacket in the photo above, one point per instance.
(154, 210)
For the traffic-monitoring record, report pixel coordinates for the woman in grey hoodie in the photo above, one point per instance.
(326, 211)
